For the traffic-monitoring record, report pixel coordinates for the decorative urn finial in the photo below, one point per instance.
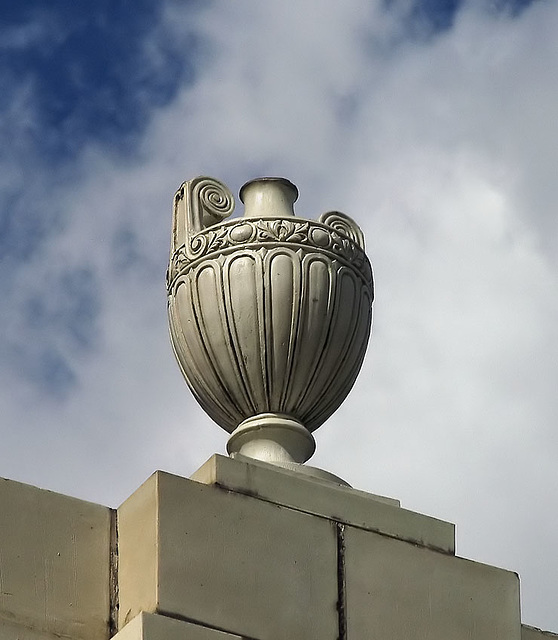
(269, 313)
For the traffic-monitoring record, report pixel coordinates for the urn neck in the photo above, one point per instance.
(268, 198)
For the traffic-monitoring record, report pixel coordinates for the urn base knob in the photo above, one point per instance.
(272, 437)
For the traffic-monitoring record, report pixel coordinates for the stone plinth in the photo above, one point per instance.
(227, 561)
(326, 499)
(243, 550)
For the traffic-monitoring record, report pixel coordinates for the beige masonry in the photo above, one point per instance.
(245, 550)
(227, 561)
(327, 499)
(54, 565)
(405, 591)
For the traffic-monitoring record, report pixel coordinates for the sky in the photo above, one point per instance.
(430, 122)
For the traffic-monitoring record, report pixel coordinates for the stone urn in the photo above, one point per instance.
(269, 313)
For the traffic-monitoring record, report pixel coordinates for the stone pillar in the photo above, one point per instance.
(243, 549)
(246, 549)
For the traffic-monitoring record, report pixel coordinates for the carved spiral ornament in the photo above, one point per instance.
(212, 200)
(269, 313)
(345, 225)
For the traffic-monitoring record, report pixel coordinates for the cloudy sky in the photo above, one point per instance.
(431, 122)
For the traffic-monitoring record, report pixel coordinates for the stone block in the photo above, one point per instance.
(149, 626)
(327, 499)
(54, 565)
(226, 561)
(399, 591)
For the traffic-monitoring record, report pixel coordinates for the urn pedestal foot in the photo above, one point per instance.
(272, 437)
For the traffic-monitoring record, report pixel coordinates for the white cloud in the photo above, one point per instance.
(444, 151)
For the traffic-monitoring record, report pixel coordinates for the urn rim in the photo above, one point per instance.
(283, 181)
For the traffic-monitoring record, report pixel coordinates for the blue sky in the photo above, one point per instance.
(95, 74)
(92, 76)
(432, 123)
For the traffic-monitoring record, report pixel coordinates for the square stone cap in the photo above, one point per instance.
(326, 499)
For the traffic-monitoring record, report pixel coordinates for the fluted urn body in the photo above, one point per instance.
(269, 313)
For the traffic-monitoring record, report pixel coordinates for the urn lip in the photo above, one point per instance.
(283, 181)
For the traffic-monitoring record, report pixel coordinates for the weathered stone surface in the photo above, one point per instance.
(227, 561)
(532, 633)
(311, 495)
(398, 591)
(148, 626)
(54, 565)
